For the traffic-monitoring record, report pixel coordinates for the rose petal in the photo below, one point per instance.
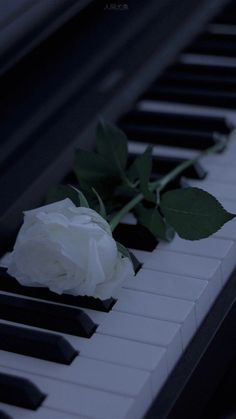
(69, 250)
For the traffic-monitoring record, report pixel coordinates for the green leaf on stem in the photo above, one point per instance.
(112, 146)
(81, 197)
(102, 209)
(193, 213)
(91, 167)
(123, 250)
(154, 222)
(141, 169)
(61, 192)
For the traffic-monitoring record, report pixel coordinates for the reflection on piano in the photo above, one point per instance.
(166, 73)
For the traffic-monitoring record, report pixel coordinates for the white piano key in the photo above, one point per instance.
(131, 353)
(89, 373)
(81, 401)
(221, 159)
(228, 231)
(175, 286)
(187, 265)
(225, 250)
(159, 307)
(125, 352)
(224, 159)
(213, 164)
(161, 150)
(186, 109)
(122, 352)
(162, 334)
(129, 219)
(218, 189)
(215, 172)
(128, 353)
(229, 206)
(156, 106)
(204, 59)
(141, 329)
(42, 413)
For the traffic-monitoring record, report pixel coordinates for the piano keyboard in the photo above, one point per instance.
(51, 367)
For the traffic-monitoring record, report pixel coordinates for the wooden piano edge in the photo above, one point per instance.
(204, 363)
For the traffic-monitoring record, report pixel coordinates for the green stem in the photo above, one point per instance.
(158, 185)
(161, 183)
(129, 206)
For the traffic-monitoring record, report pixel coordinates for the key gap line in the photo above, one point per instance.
(70, 382)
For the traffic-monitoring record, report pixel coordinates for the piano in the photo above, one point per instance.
(165, 72)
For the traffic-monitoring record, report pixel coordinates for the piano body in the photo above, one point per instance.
(165, 71)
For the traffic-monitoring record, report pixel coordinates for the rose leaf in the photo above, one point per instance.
(193, 213)
(112, 145)
(91, 167)
(141, 170)
(61, 192)
(102, 209)
(123, 250)
(82, 199)
(154, 222)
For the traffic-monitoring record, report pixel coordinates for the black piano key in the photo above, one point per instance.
(9, 284)
(46, 315)
(42, 345)
(214, 82)
(175, 183)
(20, 392)
(136, 264)
(203, 69)
(201, 75)
(228, 19)
(135, 236)
(4, 415)
(191, 95)
(164, 119)
(164, 164)
(227, 15)
(214, 44)
(171, 136)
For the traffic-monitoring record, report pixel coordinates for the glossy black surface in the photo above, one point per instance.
(45, 315)
(215, 44)
(136, 264)
(193, 95)
(201, 81)
(161, 165)
(21, 392)
(135, 236)
(42, 345)
(4, 415)
(171, 136)
(227, 14)
(182, 121)
(10, 284)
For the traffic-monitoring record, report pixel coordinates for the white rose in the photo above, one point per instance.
(70, 250)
